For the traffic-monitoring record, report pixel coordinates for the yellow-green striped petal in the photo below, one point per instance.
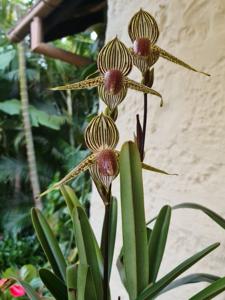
(101, 133)
(88, 83)
(112, 101)
(143, 25)
(84, 165)
(142, 88)
(115, 56)
(176, 60)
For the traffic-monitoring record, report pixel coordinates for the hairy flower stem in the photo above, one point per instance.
(145, 116)
(105, 243)
(106, 252)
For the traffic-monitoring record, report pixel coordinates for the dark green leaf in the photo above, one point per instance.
(214, 216)
(135, 248)
(49, 244)
(71, 281)
(153, 290)
(112, 231)
(157, 242)
(88, 250)
(55, 285)
(121, 269)
(70, 198)
(10, 107)
(211, 291)
(81, 280)
(192, 278)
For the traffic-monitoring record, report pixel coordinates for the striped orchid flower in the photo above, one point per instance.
(114, 64)
(144, 32)
(101, 137)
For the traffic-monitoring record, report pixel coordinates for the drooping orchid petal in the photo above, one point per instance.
(88, 83)
(83, 166)
(114, 63)
(143, 31)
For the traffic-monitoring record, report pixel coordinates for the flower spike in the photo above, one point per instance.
(114, 63)
(143, 31)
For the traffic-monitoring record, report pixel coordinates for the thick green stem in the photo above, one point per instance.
(106, 252)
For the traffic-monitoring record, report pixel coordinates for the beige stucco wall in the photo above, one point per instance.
(187, 135)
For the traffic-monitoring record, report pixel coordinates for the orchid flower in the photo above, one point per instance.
(144, 32)
(101, 137)
(114, 64)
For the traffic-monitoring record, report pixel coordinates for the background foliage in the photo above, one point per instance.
(57, 135)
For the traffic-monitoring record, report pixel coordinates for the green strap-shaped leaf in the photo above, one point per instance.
(90, 291)
(121, 269)
(152, 290)
(81, 280)
(55, 285)
(49, 244)
(135, 247)
(189, 279)
(211, 291)
(70, 198)
(88, 250)
(112, 231)
(157, 242)
(214, 216)
(85, 282)
(71, 281)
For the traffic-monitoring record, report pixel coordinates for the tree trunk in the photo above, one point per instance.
(27, 127)
(70, 115)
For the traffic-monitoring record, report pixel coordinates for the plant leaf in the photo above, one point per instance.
(55, 285)
(214, 216)
(211, 291)
(49, 244)
(133, 220)
(11, 107)
(70, 198)
(88, 250)
(192, 278)
(71, 281)
(152, 290)
(112, 231)
(157, 242)
(81, 280)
